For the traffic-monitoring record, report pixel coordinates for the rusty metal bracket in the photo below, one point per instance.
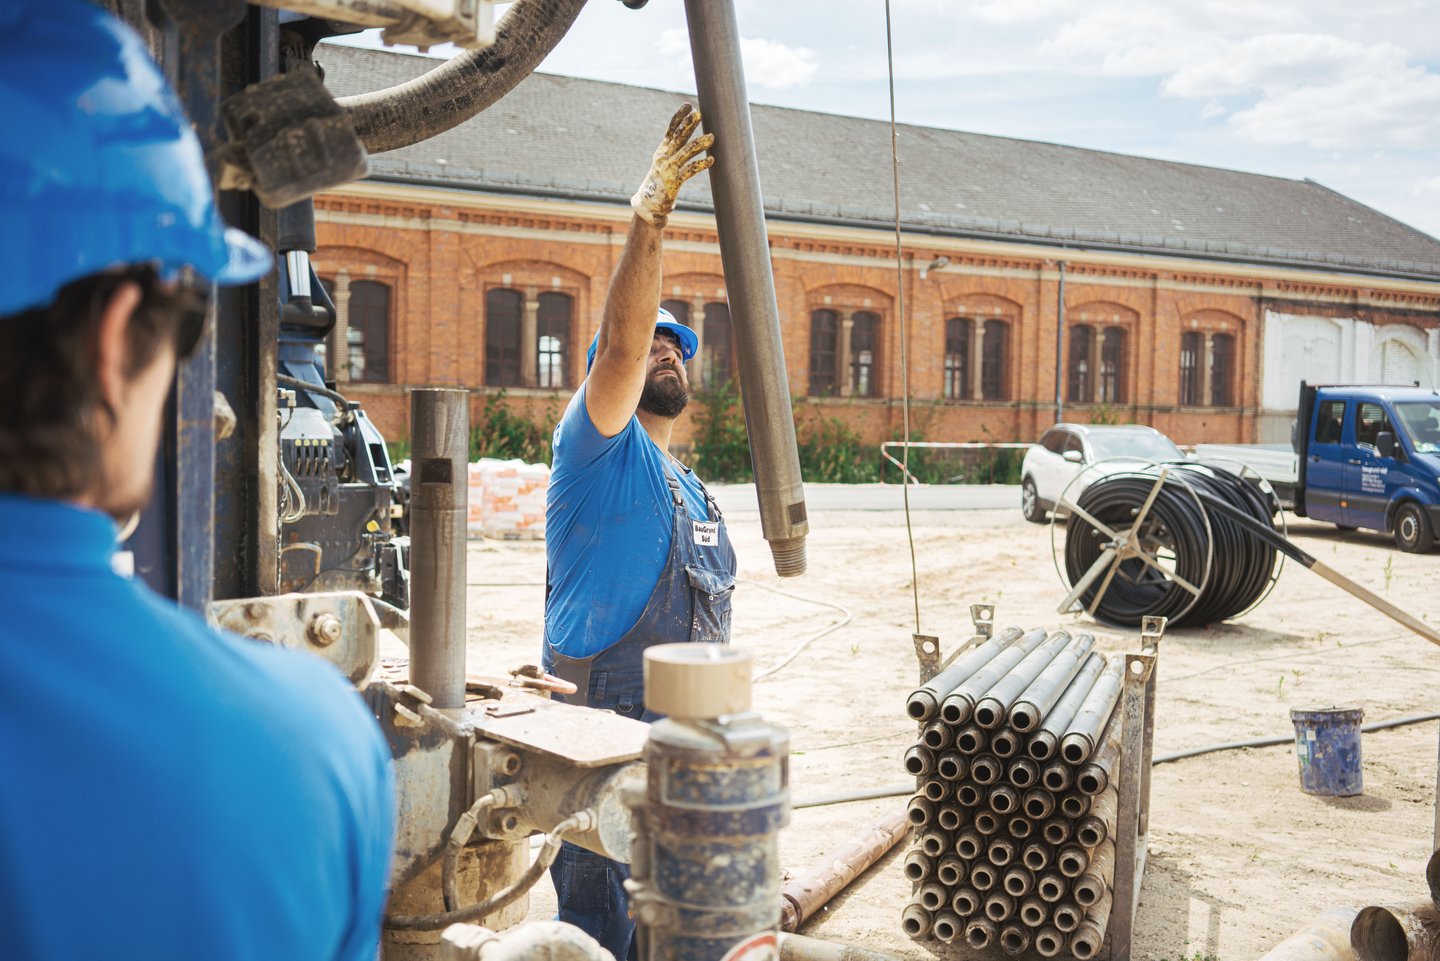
(927, 652)
(340, 626)
(983, 617)
(1132, 823)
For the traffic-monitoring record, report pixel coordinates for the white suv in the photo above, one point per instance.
(1067, 449)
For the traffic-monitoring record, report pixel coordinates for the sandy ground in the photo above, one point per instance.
(1239, 857)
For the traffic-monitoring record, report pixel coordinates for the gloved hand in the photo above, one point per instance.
(670, 169)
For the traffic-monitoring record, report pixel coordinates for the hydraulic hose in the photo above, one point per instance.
(462, 87)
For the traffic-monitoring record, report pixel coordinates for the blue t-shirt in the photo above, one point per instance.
(170, 792)
(608, 526)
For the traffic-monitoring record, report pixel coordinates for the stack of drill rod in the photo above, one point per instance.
(1014, 809)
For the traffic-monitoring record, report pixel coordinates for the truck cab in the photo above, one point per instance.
(1369, 457)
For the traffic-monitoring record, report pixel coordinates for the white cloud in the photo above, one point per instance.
(768, 63)
(1005, 13)
(1426, 185)
(1399, 109)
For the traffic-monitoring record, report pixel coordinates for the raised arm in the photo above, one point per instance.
(633, 302)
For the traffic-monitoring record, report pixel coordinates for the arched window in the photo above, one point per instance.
(957, 357)
(994, 360)
(824, 339)
(502, 337)
(718, 355)
(1222, 369)
(1112, 366)
(552, 330)
(369, 331)
(1082, 364)
(864, 336)
(1190, 368)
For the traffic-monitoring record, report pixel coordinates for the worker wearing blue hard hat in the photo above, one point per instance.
(637, 551)
(170, 792)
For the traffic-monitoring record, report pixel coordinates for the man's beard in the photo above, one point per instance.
(664, 396)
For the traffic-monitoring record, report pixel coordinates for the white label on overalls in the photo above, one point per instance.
(707, 533)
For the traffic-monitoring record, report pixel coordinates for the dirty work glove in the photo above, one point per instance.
(656, 196)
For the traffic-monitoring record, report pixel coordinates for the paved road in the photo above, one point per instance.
(740, 498)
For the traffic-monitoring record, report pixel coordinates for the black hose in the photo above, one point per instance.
(1201, 523)
(295, 383)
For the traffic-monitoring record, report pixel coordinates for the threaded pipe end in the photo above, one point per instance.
(789, 556)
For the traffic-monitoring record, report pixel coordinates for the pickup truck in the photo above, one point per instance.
(1360, 457)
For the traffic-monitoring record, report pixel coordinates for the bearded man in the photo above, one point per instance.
(637, 551)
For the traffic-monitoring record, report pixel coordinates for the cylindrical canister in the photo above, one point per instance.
(1327, 745)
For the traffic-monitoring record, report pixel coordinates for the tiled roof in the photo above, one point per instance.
(591, 140)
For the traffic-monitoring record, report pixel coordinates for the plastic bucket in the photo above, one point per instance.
(1327, 745)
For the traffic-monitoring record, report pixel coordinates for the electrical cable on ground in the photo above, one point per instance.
(799, 649)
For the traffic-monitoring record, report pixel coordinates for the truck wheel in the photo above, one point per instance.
(1030, 502)
(1413, 533)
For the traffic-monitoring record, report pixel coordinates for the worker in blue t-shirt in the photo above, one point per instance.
(637, 551)
(169, 793)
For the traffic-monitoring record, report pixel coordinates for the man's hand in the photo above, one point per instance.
(672, 166)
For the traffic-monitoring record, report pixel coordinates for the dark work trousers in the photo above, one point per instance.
(690, 602)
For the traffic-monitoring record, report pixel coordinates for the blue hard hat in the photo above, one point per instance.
(666, 321)
(100, 167)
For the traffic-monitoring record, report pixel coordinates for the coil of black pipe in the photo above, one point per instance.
(1232, 567)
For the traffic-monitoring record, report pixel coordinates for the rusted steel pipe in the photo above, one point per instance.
(916, 921)
(999, 906)
(1067, 916)
(934, 842)
(951, 817)
(1036, 856)
(1325, 938)
(1034, 912)
(796, 947)
(749, 280)
(1049, 942)
(924, 703)
(1020, 827)
(1072, 861)
(1074, 805)
(947, 926)
(980, 932)
(983, 876)
(969, 795)
(1084, 733)
(1098, 876)
(920, 811)
(951, 870)
(1014, 939)
(1001, 852)
(1383, 933)
(936, 790)
(971, 740)
(1432, 868)
(1051, 886)
(951, 765)
(965, 902)
(969, 845)
(959, 704)
(1057, 776)
(918, 867)
(937, 735)
(802, 897)
(1046, 740)
(1004, 799)
(1057, 830)
(1023, 773)
(932, 896)
(1018, 882)
(987, 822)
(1092, 778)
(1004, 743)
(1038, 804)
(1099, 824)
(985, 770)
(919, 761)
(1085, 942)
(992, 708)
(1045, 691)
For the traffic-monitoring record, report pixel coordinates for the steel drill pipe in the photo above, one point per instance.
(1022, 773)
(966, 901)
(1018, 882)
(1014, 939)
(801, 897)
(983, 876)
(1004, 743)
(1049, 942)
(1072, 861)
(1057, 830)
(1000, 852)
(969, 795)
(1004, 799)
(1036, 856)
(937, 735)
(1097, 877)
(959, 704)
(749, 281)
(1051, 886)
(1085, 732)
(1030, 708)
(1067, 916)
(987, 822)
(936, 790)
(924, 703)
(951, 817)
(1038, 804)
(951, 766)
(918, 865)
(919, 761)
(1020, 827)
(1099, 824)
(1086, 941)
(1324, 938)
(1057, 776)
(935, 843)
(981, 932)
(951, 870)
(971, 740)
(1092, 778)
(999, 906)
(986, 770)
(1384, 933)
(970, 844)
(1034, 912)
(920, 811)
(1046, 740)
(916, 921)
(931, 895)
(1074, 805)
(440, 438)
(947, 926)
(992, 708)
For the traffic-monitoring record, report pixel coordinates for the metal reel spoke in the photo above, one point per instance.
(1107, 556)
(1089, 518)
(1152, 561)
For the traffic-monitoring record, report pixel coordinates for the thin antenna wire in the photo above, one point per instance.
(900, 312)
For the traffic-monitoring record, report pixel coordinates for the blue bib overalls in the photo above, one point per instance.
(690, 602)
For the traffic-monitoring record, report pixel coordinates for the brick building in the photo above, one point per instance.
(1189, 298)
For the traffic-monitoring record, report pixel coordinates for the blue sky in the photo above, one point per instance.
(1344, 93)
